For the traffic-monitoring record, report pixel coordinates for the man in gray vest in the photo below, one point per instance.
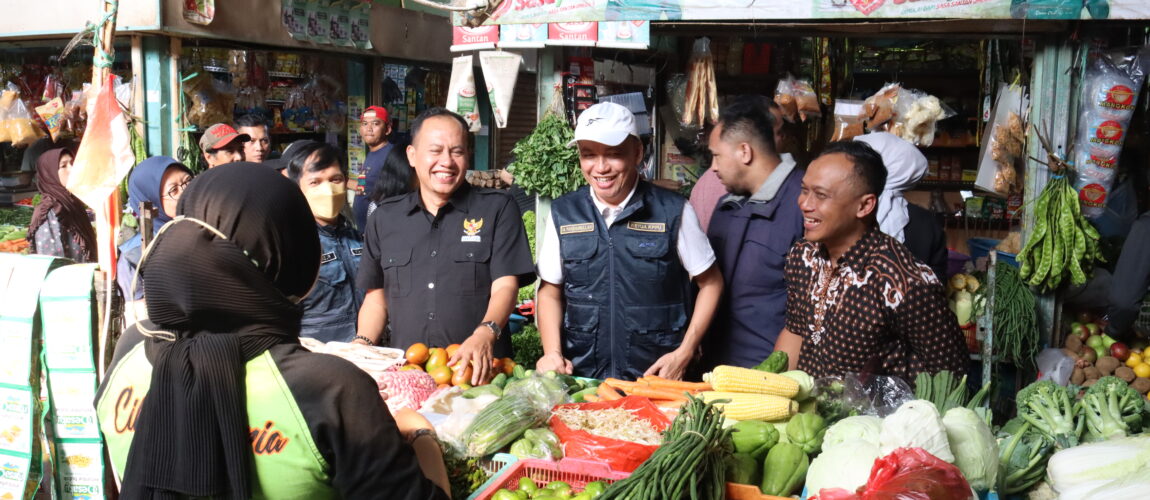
(616, 263)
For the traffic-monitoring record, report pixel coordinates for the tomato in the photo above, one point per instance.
(451, 350)
(417, 354)
(508, 366)
(441, 373)
(462, 376)
(437, 357)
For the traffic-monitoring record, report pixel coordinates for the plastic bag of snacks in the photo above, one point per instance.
(797, 99)
(848, 123)
(1110, 92)
(16, 123)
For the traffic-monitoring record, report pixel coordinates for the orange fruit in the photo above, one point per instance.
(451, 350)
(496, 365)
(508, 366)
(462, 376)
(437, 357)
(442, 386)
(441, 374)
(410, 366)
(1142, 370)
(417, 354)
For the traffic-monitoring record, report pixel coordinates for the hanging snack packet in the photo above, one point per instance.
(785, 98)
(806, 100)
(19, 127)
(878, 109)
(461, 96)
(500, 70)
(53, 115)
(1110, 93)
(848, 123)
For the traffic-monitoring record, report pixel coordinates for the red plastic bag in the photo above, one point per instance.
(908, 474)
(620, 455)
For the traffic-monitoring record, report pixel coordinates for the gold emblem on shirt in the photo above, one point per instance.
(585, 227)
(648, 227)
(471, 228)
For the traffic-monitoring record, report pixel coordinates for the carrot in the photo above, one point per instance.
(650, 393)
(658, 382)
(607, 393)
(591, 398)
(623, 385)
(667, 403)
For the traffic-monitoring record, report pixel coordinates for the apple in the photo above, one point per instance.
(1093, 328)
(1095, 341)
(1120, 351)
(1100, 352)
(1107, 341)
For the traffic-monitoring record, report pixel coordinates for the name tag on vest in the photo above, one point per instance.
(585, 227)
(327, 257)
(357, 251)
(648, 227)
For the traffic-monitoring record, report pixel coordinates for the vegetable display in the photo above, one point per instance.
(691, 462)
(1022, 458)
(1111, 409)
(754, 438)
(1015, 317)
(1050, 408)
(806, 430)
(975, 449)
(614, 423)
(784, 470)
(544, 164)
(1102, 470)
(915, 424)
(775, 363)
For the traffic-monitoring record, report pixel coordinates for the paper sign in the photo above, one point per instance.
(523, 36)
(465, 38)
(625, 34)
(582, 34)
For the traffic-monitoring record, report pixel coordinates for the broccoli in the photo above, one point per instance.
(1022, 457)
(1050, 408)
(1111, 408)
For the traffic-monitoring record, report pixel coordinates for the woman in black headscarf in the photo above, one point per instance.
(60, 226)
(235, 407)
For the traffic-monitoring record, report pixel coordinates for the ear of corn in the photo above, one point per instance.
(743, 406)
(726, 378)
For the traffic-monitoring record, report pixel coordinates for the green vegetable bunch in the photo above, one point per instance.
(1015, 317)
(1111, 408)
(16, 216)
(527, 346)
(464, 474)
(528, 292)
(941, 389)
(544, 164)
(1051, 409)
(1022, 457)
(775, 363)
(1063, 244)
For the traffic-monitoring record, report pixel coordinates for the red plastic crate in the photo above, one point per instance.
(572, 471)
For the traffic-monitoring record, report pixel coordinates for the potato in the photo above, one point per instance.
(1092, 373)
(1073, 342)
(1125, 373)
(1089, 355)
(1078, 376)
(1107, 364)
(1089, 382)
(1141, 384)
(1071, 353)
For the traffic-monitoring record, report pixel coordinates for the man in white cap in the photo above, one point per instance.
(617, 262)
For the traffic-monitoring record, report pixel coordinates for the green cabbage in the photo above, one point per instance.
(915, 424)
(806, 383)
(975, 449)
(847, 465)
(864, 427)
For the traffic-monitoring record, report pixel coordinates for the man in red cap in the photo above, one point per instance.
(222, 144)
(374, 128)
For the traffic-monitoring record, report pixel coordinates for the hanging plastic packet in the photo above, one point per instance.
(53, 115)
(785, 98)
(915, 115)
(806, 100)
(848, 124)
(701, 101)
(461, 96)
(500, 70)
(18, 126)
(1109, 95)
(878, 109)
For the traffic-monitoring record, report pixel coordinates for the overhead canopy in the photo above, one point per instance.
(554, 11)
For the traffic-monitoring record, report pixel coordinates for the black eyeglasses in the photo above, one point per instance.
(174, 191)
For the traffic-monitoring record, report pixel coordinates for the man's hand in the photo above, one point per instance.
(554, 361)
(477, 351)
(672, 365)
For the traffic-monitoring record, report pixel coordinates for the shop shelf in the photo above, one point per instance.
(281, 74)
(572, 471)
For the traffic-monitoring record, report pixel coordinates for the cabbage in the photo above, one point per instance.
(845, 466)
(806, 383)
(1093, 465)
(864, 427)
(975, 449)
(1135, 485)
(915, 424)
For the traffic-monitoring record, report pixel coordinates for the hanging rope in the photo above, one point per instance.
(92, 34)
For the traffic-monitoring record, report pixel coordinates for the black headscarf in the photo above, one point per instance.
(224, 302)
(71, 213)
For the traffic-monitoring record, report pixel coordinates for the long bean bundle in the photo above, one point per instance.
(691, 463)
(1063, 244)
(1015, 317)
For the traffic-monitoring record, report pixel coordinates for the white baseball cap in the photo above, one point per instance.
(606, 123)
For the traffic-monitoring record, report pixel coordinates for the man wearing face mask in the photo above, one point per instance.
(331, 309)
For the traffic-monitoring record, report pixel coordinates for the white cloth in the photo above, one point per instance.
(905, 166)
(691, 245)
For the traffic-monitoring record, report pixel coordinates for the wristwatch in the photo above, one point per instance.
(495, 329)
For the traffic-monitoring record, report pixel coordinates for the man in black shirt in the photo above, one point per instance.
(444, 264)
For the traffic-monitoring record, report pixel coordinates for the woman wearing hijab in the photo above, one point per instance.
(213, 396)
(916, 227)
(395, 178)
(60, 226)
(159, 180)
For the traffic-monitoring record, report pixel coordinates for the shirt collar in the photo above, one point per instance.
(770, 187)
(858, 252)
(610, 213)
(459, 200)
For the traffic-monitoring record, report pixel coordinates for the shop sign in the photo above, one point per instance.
(523, 36)
(483, 37)
(199, 11)
(536, 11)
(625, 34)
(576, 33)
